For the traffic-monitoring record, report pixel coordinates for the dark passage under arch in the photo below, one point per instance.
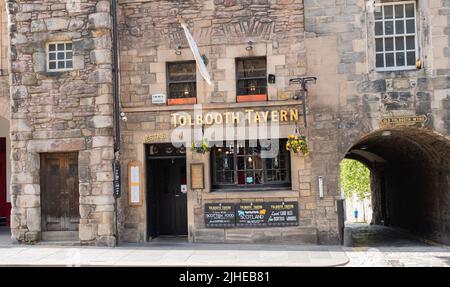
(410, 180)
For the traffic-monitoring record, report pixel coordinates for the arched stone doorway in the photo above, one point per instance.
(410, 179)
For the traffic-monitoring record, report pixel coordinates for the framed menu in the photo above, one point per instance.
(134, 184)
(197, 176)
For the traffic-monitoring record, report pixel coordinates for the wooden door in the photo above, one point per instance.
(59, 192)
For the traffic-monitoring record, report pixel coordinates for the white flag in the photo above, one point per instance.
(198, 58)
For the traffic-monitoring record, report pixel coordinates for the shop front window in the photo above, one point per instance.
(241, 166)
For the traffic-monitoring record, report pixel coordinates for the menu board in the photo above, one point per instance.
(251, 215)
(282, 213)
(220, 215)
(267, 214)
(197, 176)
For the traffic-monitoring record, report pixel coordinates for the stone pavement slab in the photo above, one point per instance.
(182, 254)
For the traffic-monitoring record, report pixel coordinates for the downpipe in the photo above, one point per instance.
(116, 99)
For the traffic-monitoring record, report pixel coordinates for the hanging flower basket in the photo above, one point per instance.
(297, 144)
(200, 146)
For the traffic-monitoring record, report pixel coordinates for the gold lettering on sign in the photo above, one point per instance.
(248, 115)
(283, 116)
(154, 138)
(419, 120)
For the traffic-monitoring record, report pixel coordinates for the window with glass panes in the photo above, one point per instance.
(251, 76)
(395, 36)
(182, 80)
(60, 56)
(243, 166)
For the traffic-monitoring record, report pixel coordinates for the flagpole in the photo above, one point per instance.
(195, 51)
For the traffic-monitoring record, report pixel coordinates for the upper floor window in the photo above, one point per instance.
(251, 79)
(60, 56)
(182, 82)
(241, 166)
(395, 36)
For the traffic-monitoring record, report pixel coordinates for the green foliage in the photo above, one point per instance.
(200, 146)
(355, 179)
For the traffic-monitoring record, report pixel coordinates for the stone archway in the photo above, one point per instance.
(410, 170)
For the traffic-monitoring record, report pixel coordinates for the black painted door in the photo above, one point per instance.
(168, 204)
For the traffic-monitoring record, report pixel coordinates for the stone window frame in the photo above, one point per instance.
(169, 82)
(238, 79)
(394, 68)
(56, 52)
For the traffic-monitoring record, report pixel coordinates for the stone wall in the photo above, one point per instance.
(62, 111)
(149, 36)
(351, 98)
(352, 90)
(150, 33)
(4, 64)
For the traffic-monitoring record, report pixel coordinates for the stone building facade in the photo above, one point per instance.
(62, 111)
(396, 121)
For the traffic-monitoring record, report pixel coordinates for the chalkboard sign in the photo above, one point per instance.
(259, 214)
(282, 213)
(251, 215)
(220, 215)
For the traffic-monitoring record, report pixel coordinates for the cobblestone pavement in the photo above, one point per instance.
(382, 246)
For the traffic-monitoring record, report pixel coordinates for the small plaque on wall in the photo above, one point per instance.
(197, 176)
(134, 184)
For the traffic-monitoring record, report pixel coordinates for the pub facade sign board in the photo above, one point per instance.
(264, 214)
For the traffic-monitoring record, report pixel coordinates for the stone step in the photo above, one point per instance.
(59, 243)
(60, 236)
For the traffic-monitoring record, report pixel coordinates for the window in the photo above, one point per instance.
(240, 166)
(395, 36)
(251, 79)
(182, 82)
(60, 57)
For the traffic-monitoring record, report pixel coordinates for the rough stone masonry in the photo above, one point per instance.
(62, 111)
(332, 40)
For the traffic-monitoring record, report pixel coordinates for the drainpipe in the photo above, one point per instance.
(116, 94)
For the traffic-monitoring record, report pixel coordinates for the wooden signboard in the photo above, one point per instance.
(220, 215)
(197, 176)
(134, 184)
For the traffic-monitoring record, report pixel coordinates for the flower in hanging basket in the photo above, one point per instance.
(297, 144)
(201, 146)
